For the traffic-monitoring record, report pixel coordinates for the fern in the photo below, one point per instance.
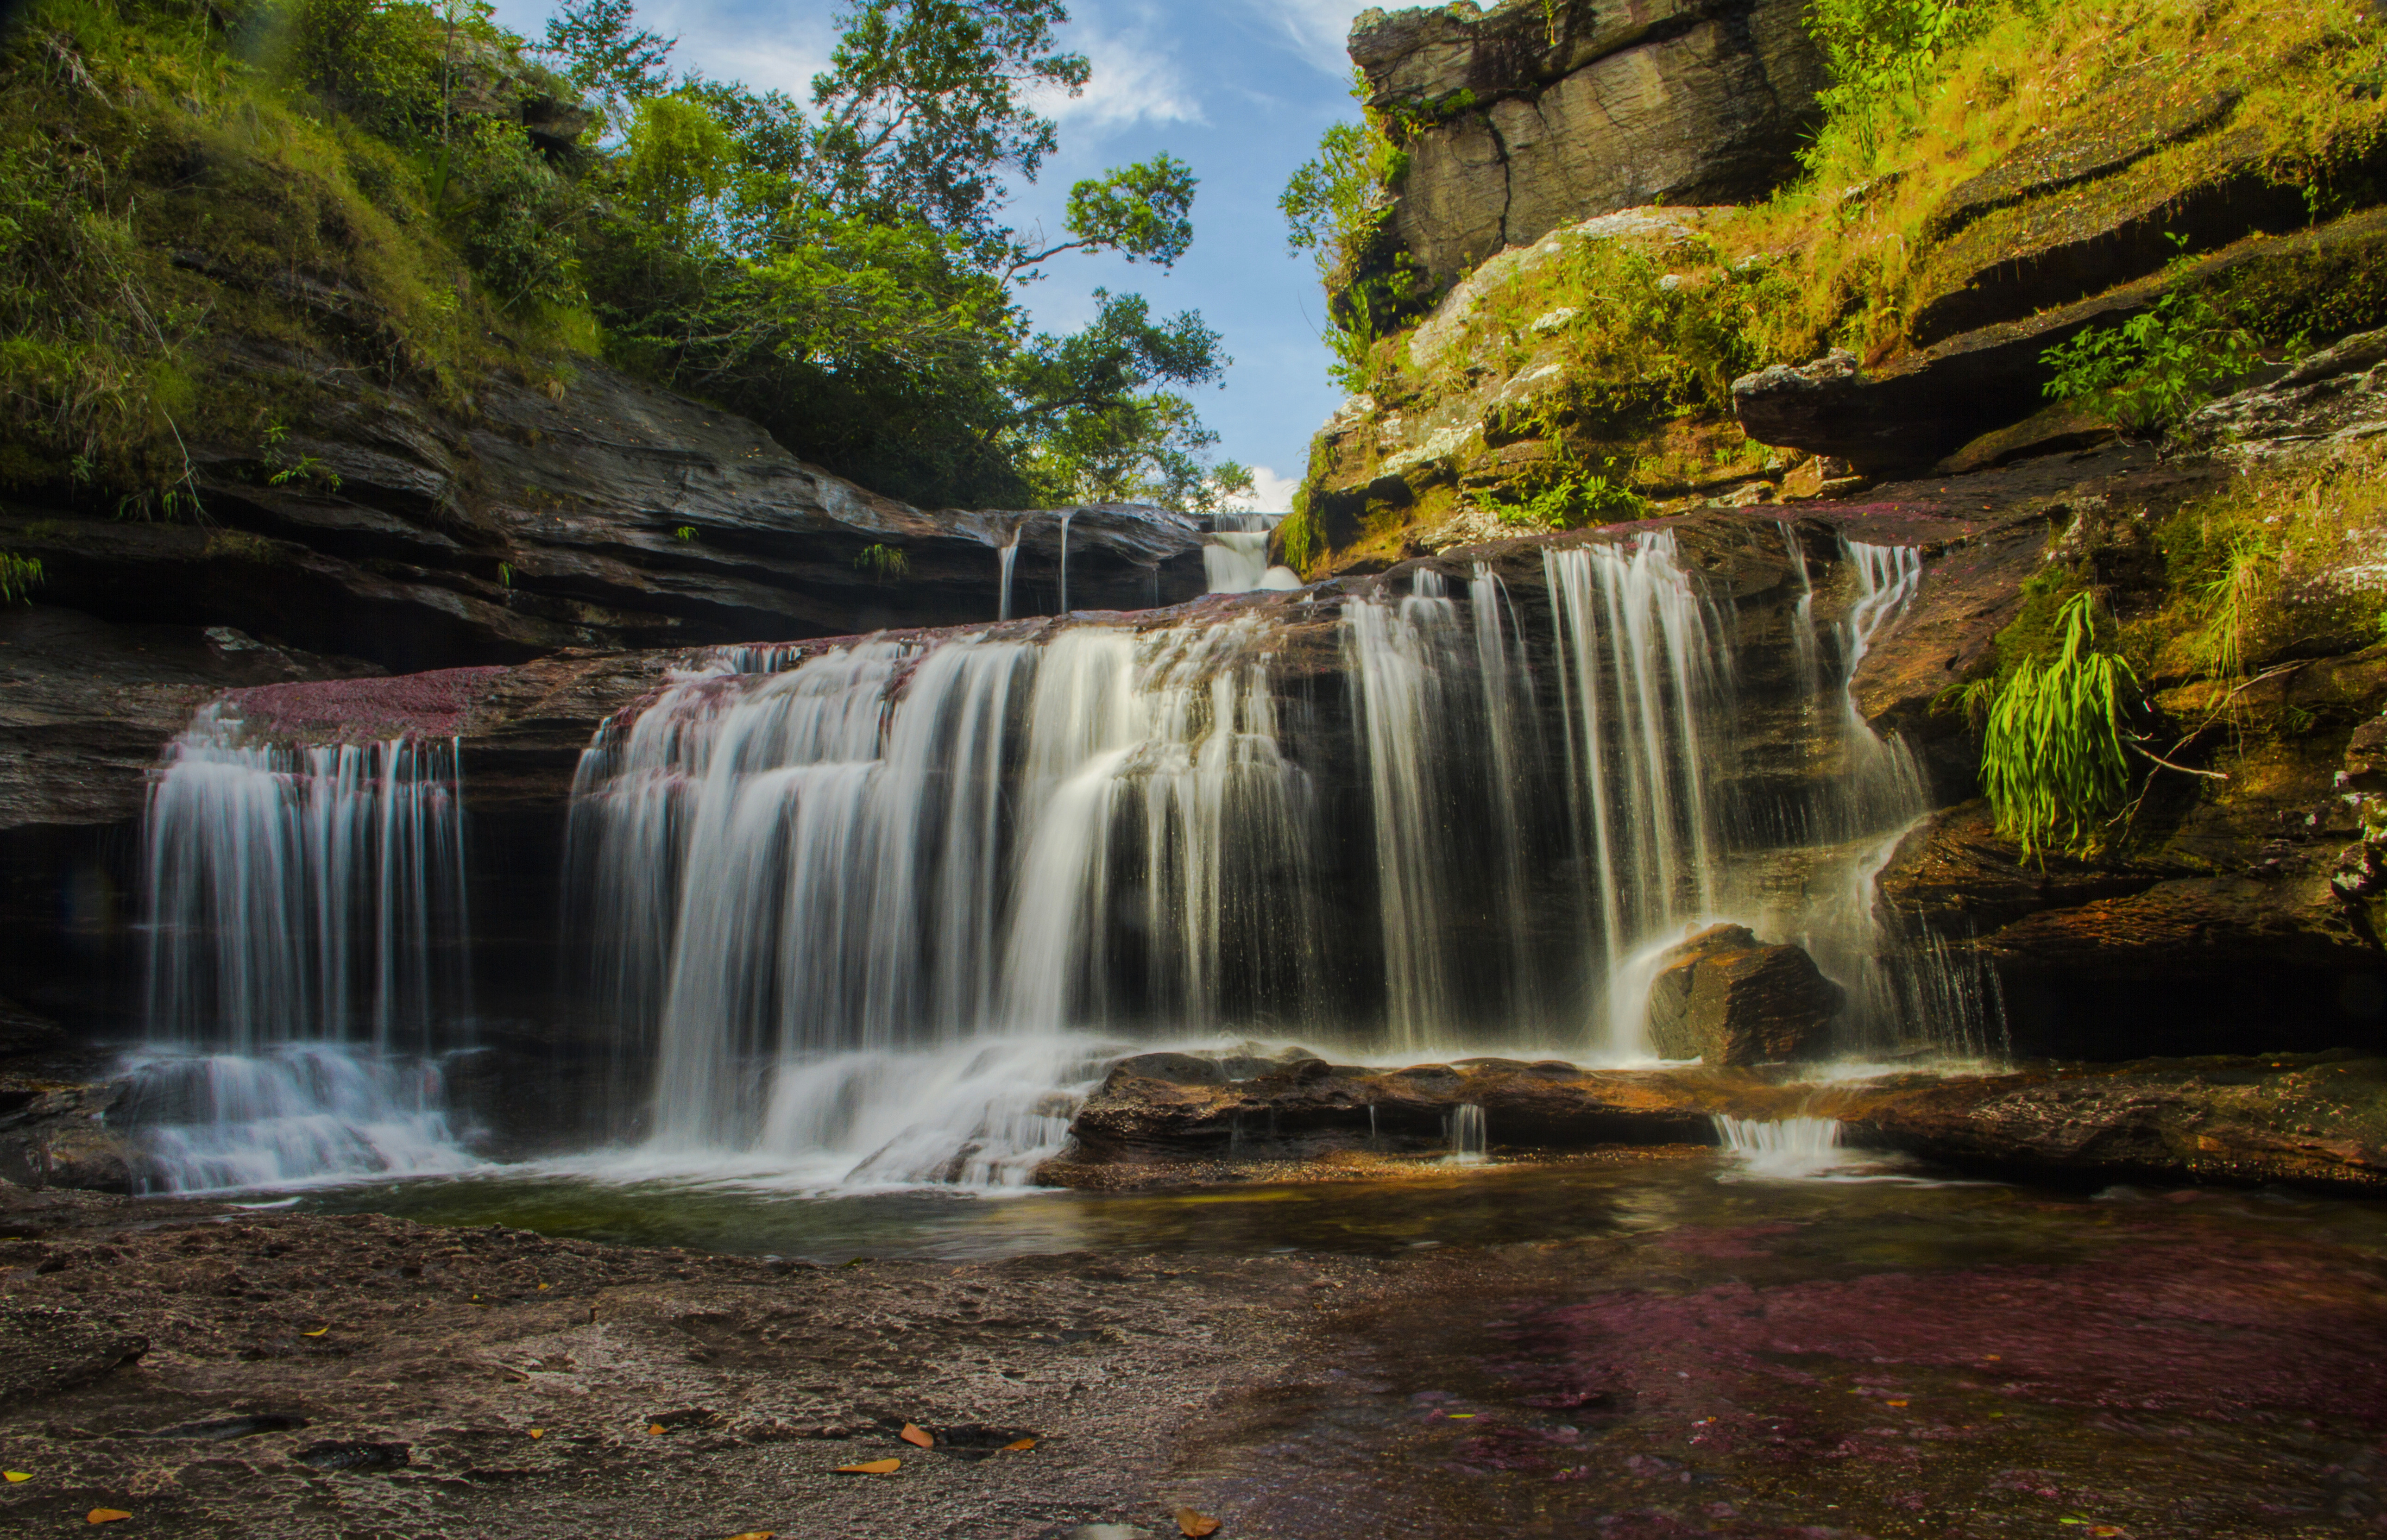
(19, 575)
(2054, 750)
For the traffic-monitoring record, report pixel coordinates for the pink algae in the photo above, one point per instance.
(438, 704)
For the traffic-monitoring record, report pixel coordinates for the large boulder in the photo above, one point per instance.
(1725, 997)
(1527, 116)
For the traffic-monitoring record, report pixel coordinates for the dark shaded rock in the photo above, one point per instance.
(54, 1134)
(1168, 1068)
(602, 512)
(2323, 1122)
(1524, 119)
(1915, 409)
(1726, 998)
(47, 1348)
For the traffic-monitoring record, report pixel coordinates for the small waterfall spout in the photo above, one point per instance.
(1788, 1147)
(1008, 558)
(1469, 1140)
(307, 959)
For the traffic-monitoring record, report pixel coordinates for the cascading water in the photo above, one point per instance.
(1007, 559)
(1236, 555)
(823, 879)
(307, 961)
(889, 850)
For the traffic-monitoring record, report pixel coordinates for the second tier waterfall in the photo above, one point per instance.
(1464, 815)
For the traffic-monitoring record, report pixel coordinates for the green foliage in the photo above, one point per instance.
(2149, 371)
(1574, 503)
(885, 564)
(1885, 56)
(1298, 536)
(605, 56)
(19, 575)
(349, 182)
(685, 532)
(1334, 208)
(2054, 748)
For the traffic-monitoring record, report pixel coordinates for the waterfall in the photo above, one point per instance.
(1065, 517)
(1643, 691)
(1469, 1139)
(1403, 654)
(306, 960)
(1007, 559)
(1788, 1147)
(899, 849)
(1236, 555)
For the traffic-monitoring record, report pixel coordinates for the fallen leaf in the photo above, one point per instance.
(18, 1475)
(538, 1432)
(1459, 1417)
(1018, 1445)
(544, 1287)
(870, 1468)
(317, 1332)
(757, 1534)
(918, 1435)
(656, 1428)
(1196, 1525)
(2105, 1529)
(105, 1516)
(1898, 1403)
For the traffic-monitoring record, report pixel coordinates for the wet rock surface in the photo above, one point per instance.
(2316, 1120)
(1726, 998)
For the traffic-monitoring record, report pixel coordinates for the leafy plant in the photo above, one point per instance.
(1572, 504)
(685, 532)
(2149, 371)
(2053, 746)
(19, 575)
(287, 467)
(1885, 55)
(885, 564)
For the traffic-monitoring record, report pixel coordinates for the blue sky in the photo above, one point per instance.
(1238, 89)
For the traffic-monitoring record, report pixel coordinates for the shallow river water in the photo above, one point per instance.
(1668, 1343)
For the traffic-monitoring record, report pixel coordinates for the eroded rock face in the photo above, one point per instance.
(600, 512)
(1532, 117)
(1726, 998)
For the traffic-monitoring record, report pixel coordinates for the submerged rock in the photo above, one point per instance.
(1727, 998)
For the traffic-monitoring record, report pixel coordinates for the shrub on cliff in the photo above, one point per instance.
(204, 209)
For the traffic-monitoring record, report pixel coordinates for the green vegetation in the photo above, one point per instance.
(1334, 209)
(2054, 759)
(209, 207)
(2149, 373)
(886, 563)
(19, 575)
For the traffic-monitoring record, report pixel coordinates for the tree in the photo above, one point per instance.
(605, 56)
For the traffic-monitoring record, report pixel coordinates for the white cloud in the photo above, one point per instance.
(767, 51)
(1318, 30)
(1135, 81)
(1270, 493)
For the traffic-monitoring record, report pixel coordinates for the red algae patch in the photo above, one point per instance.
(437, 705)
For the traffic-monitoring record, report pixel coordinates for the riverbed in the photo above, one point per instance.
(1655, 1343)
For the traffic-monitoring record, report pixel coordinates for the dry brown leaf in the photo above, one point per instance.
(538, 1432)
(1194, 1525)
(757, 1534)
(1018, 1445)
(105, 1516)
(914, 1434)
(870, 1468)
(656, 1428)
(16, 1476)
(317, 1332)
